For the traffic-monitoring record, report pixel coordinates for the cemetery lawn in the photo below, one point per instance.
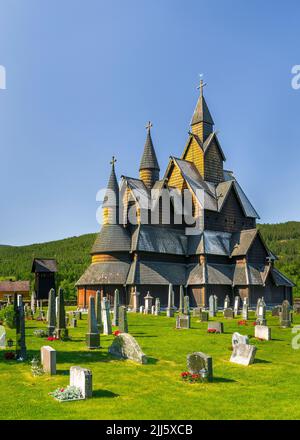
(268, 389)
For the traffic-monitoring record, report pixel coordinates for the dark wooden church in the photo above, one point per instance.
(226, 256)
(44, 270)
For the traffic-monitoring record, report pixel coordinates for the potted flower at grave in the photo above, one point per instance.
(68, 394)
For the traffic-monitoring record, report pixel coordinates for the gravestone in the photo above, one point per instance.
(170, 309)
(261, 312)
(227, 302)
(82, 378)
(73, 322)
(56, 307)
(142, 309)
(263, 332)
(123, 323)
(51, 312)
(116, 308)
(276, 311)
(21, 351)
(125, 346)
(245, 312)
(107, 330)
(148, 304)
(218, 326)
(33, 302)
(135, 301)
(228, 314)
(92, 336)
(285, 315)
(197, 312)
(61, 315)
(216, 303)
(98, 311)
(48, 360)
(157, 307)
(238, 339)
(212, 306)
(186, 308)
(199, 361)
(236, 305)
(183, 321)
(181, 300)
(153, 310)
(257, 306)
(204, 317)
(243, 354)
(2, 337)
(297, 308)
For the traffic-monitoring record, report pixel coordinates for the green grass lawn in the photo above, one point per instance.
(268, 389)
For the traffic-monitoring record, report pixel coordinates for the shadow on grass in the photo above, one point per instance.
(104, 393)
(151, 361)
(261, 361)
(222, 380)
(146, 336)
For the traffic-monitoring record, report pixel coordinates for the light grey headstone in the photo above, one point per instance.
(148, 304)
(171, 308)
(186, 308)
(263, 332)
(198, 361)
(153, 310)
(218, 326)
(243, 354)
(181, 299)
(245, 312)
(48, 359)
(197, 312)
(116, 308)
(2, 337)
(236, 305)
(226, 302)
(82, 378)
(228, 314)
(183, 322)
(261, 312)
(125, 346)
(107, 329)
(157, 307)
(285, 315)
(212, 306)
(142, 309)
(135, 300)
(238, 339)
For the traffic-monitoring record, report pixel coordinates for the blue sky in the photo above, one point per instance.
(85, 76)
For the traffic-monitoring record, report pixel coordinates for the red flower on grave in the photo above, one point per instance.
(62, 390)
(116, 333)
(9, 356)
(243, 322)
(212, 330)
(254, 323)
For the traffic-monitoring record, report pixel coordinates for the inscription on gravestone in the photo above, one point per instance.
(198, 361)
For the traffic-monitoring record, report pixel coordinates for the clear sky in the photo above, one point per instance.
(85, 76)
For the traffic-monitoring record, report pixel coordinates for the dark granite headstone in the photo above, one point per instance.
(199, 361)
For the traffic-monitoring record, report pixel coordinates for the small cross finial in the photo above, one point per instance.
(113, 161)
(149, 125)
(202, 84)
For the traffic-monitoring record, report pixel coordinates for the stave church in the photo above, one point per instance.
(149, 239)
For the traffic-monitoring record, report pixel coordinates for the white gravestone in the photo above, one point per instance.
(82, 378)
(263, 332)
(237, 339)
(2, 337)
(243, 354)
(48, 360)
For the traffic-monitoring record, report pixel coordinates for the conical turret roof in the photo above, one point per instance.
(149, 159)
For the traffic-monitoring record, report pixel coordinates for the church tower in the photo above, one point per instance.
(149, 168)
(111, 199)
(202, 122)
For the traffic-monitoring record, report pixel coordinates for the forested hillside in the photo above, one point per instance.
(73, 255)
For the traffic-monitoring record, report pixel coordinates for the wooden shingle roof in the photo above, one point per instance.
(14, 286)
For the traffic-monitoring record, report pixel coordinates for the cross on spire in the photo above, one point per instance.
(149, 125)
(201, 85)
(113, 161)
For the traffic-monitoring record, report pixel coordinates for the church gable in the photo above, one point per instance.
(257, 253)
(195, 154)
(213, 164)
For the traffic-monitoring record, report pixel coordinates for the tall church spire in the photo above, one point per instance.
(111, 199)
(149, 168)
(202, 122)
